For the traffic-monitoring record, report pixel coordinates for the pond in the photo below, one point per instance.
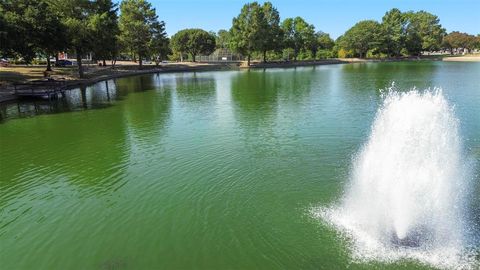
(206, 170)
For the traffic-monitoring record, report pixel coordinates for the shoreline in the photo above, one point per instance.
(7, 95)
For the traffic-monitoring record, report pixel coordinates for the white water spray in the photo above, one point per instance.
(408, 186)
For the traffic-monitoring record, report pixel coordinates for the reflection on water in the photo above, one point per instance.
(96, 96)
(195, 87)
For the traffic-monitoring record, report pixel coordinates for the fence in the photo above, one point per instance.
(220, 55)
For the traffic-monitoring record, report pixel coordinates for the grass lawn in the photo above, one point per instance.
(23, 73)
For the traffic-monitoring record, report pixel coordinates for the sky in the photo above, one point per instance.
(330, 16)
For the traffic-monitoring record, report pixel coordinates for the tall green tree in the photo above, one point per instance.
(45, 27)
(76, 18)
(136, 20)
(193, 42)
(14, 32)
(362, 37)
(160, 43)
(324, 43)
(271, 31)
(3, 33)
(246, 32)
(424, 28)
(27, 28)
(104, 27)
(298, 34)
(394, 25)
(222, 39)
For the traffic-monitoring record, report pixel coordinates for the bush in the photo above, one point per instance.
(324, 54)
(342, 53)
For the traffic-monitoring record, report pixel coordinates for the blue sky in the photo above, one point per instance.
(333, 16)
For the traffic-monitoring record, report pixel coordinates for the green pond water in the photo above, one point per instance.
(208, 170)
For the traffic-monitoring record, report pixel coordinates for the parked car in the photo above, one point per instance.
(63, 63)
(4, 63)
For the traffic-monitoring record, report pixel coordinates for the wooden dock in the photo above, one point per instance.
(46, 89)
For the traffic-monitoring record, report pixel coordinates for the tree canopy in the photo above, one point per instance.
(457, 40)
(137, 23)
(362, 37)
(298, 35)
(247, 30)
(104, 26)
(194, 42)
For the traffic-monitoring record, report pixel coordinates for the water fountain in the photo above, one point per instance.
(408, 186)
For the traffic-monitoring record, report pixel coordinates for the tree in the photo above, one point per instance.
(325, 42)
(194, 42)
(325, 45)
(222, 39)
(271, 32)
(362, 37)
(4, 27)
(136, 20)
(179, 43)
(33, 26)
(394, 25)
(452, 41)
(427, 27)
(457, 40)
(76, 18)
(159, 44)
(298, 34)
(104, 26)
(45, 28)
(246, 32)
(413, 40)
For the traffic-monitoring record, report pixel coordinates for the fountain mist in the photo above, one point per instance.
(409, 185)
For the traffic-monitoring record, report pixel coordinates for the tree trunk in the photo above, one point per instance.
(248, 60)
(49, 65)
(104, 62)
(181, 57)
(79, 63)
(264, 56)
(140, 61)
(56, 57)
(193, 57)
